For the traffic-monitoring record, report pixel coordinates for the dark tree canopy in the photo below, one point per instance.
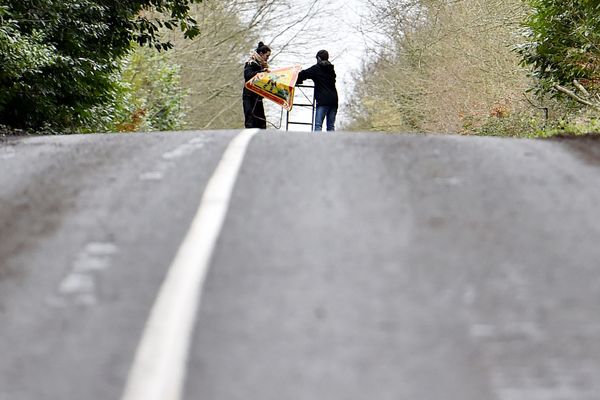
(59, 58)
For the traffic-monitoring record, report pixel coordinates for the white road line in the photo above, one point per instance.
(159, 368)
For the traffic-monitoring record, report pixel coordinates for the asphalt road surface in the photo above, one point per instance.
(348, 266)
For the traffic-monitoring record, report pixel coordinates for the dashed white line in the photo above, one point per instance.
(159, 367)
(79, 286)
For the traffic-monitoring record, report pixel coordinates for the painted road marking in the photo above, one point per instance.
(159, 367)
(80, 285)
(158, 173)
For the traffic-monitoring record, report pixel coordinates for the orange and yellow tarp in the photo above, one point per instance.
(276, 85)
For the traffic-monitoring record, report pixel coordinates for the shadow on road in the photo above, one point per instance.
(587, 147)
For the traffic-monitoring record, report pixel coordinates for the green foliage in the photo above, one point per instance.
(149, 97)
(20, 54)
(563, 38)
(60, 59)
(156, 86)
(580, 123)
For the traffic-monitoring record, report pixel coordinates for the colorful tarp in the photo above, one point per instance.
(276, 85)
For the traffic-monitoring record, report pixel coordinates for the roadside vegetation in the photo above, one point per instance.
(71, 66)
(62, 62)
(526, 68)
(489, 67)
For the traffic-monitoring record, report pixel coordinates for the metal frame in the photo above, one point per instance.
(312, 105)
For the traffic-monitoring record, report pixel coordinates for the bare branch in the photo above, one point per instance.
(580, 87)
(574, 96)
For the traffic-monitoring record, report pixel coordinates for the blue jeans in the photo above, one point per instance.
(325, 111)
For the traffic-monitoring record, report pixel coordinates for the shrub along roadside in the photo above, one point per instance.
(561, 47)
(452, 67)
(60, 59)
(150, 96)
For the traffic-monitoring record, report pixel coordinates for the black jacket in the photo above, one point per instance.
(323, 75)
(251, 68)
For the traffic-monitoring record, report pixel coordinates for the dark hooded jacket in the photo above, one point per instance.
(251, 68)
(323, 75)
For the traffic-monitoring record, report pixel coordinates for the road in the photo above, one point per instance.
(348, 266)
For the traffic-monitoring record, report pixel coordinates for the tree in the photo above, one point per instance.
(441, 66)
(212, 63)
(60, 59)
(149, 96)
(563, 47)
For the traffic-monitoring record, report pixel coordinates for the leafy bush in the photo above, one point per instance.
(149, 98)
(562, 43)
(60, 59)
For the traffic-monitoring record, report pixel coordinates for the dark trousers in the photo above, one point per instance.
(254, 113)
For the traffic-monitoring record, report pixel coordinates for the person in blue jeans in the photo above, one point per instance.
(326, 96)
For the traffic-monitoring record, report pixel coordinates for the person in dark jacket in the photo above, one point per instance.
(323, 75)
(254, 111)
